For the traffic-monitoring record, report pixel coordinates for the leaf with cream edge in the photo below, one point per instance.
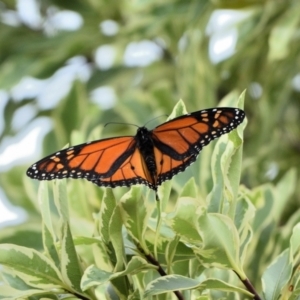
(135, 213)
(277, 275)
(171, 283)
(226, 164)
(93, 276)
(220, 243)
(48, 234)
(31, 266)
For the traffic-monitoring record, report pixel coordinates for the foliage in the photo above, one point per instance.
(209, 233)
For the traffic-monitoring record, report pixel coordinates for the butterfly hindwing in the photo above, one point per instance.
(167, 166)
(132, 171)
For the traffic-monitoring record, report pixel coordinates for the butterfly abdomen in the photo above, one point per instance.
(145, 144)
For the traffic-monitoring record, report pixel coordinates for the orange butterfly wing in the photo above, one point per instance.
(178, 142)
(108, 162)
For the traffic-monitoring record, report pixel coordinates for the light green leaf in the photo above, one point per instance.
(49, 245)
(226, 166)
(282, 34)
(233, 99)
(44, 204)
(48, 234)
(263, 198)
(221, 243)
(245, 241)
(171, 250)
(94, 276)
(116, 238)
(215, 198)
(61, 199)
(295, 240)
(277, 275)
(215, 284)
(164, 192)
(135, 214)
(170, 283)
(179, 283)
(178, 110)
(184, 220)
(108, 205)
(10, 293)
(283, 191)
(189, 189)
(244, 213)
(70, 268)
(14, 281)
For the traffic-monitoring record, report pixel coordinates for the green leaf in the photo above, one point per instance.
(135, 214)
(184, 220)
(226, 168)
(189, 189)
(108, 205)
(164, 192)
(283, 192)
(48, 234)
(277, 275)
(31, 266)
(235, 167)
(263, 198)
(226, 164)
(179, 283)
(10, 293)
(61, 199)
(244, 213)
(221, 243)
(44, 204)
(282, 34)
(70, 268)
(171, 250)
(93, 276)
(116, 238)
(295, 240)
(178, 110)
(49, 245)
(15, 281)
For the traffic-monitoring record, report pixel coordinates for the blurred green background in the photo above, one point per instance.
(76, 65)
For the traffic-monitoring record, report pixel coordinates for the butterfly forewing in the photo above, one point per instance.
(90, 160)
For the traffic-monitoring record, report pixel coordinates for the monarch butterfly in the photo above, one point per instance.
(150, 157)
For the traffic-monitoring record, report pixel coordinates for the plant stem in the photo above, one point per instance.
(249, 287)
(160, 270)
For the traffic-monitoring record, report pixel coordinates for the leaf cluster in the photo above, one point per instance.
(210, 234)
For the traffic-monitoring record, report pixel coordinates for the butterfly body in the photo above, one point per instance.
(145, 144)
(150, 157)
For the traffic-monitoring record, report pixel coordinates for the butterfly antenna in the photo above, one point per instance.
(165, 115)
(120, 123)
